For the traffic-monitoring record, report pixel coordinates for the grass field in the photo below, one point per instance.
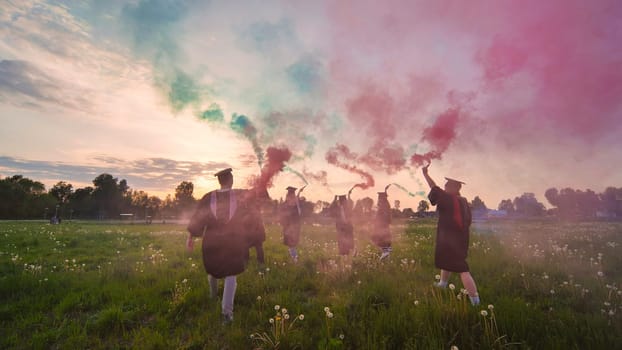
(543, 285)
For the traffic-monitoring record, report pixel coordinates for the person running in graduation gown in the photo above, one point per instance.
(452, 233)
(381, 236)
(290, 219)
(342, 212)
(226, 219)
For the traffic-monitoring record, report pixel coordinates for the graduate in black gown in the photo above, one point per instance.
(229, 222)
(452, 233)
(381, 235)
(291, 220)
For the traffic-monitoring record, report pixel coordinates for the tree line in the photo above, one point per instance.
(109, 197)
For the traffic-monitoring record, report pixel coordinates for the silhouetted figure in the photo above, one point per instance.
(452, 233)
(342, 212)
(227, 220)
(381, 236)
(290, 217)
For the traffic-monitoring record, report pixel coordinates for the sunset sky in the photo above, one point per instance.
(510, 97)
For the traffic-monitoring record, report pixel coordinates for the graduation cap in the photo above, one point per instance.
(223, 172)
(382, 194)
(450, 180)
(342, 197)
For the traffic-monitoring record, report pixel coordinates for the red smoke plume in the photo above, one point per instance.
(320, 176)
(439, 136)
(342, 151)
(275, 162)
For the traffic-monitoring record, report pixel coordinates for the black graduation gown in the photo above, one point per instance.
(290, 222)
(225, 240)
(452, 239)
(345, 229)
(381, 236)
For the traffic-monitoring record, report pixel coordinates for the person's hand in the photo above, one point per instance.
(425, 168)
(190, 244)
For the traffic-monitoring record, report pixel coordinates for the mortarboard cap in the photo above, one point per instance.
(454, 180)
(223, 172)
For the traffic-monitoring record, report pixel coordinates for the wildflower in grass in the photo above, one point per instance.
(600, 274)
(329, 315)
(552, 291)
(286, 316)
(271, 320)
(259, 298)
(276, 307)
(284, 310)
(301, 317)
(326, 309)
(453, 347)
(437, 277)
(484, 313)
(342, 336)
(416, 302)
(490, 307)
(452, 286)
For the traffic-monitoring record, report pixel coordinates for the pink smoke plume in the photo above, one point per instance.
(276, 157)
(338, 151)
(439, 136)
(530, 69)
(319, 176)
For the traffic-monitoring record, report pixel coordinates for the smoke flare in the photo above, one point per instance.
(332, 157)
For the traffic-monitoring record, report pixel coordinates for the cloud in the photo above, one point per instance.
(24, 84)
(141, 174)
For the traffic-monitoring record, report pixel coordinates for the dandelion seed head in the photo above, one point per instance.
(277, 307)
(484, 313)
(437, 277)
(301, 317)
(258, 297)
(326, 309)
(271, 320)
(452, 286)
(416, 302)
(329, 315)
(491, 307)
(341, 336)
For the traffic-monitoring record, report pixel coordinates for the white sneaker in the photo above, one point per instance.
(384, 255)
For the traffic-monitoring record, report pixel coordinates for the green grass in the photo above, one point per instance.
(88, 285)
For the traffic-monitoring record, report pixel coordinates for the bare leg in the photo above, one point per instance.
(228, 296)
(469, 283)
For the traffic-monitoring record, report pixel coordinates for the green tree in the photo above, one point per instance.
(23, 198)
(528, 205)
(62, 191)
(107, 195)
(507, 205)
(423, 207)
(183, 196)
